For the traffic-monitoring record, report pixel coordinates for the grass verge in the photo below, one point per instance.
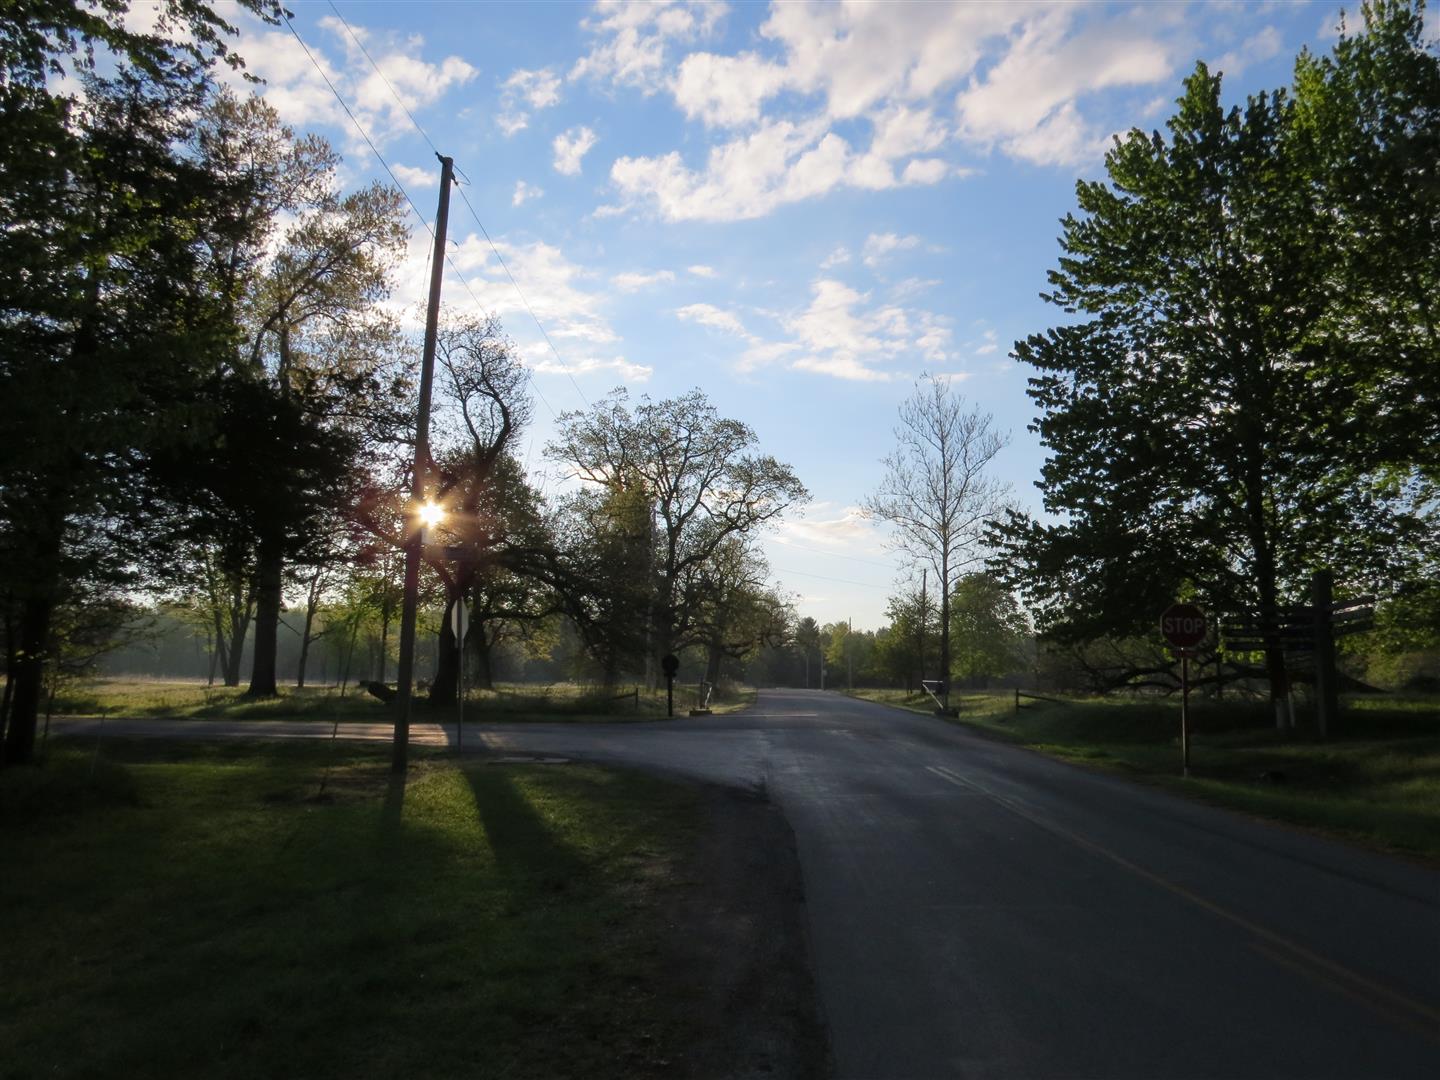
(206, 910)
(509, 703)
(1377, 782)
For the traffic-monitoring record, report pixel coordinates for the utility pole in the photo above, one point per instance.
(412, 534)
(849, 656)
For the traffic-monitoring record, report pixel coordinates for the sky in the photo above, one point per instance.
(798, 208)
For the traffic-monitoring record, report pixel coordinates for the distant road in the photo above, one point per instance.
(977, 910)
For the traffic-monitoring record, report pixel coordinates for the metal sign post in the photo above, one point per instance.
(460, 623)
(1184, 626)
(1185, 712)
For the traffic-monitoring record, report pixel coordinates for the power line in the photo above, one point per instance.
(519, 292)
(484, 232)
(398, 99)
(401, 187)
(822, 577)
(834, 554)
(363, 134)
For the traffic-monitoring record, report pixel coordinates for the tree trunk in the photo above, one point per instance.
(312, 604)
(269, 567)
(945, 630)
(715, 656)
(12, 650)
(242, 606)
(35, 612)
(447, 668)
(484, 649)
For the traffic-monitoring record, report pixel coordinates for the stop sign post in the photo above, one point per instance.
(1184, 627)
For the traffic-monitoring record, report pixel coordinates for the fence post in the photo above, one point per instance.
(1017, 701)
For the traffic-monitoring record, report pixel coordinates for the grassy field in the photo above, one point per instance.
(159, 698)
(1376, 781)
(206, 910)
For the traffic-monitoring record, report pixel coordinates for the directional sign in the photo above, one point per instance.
(459, 621)
(1183, 625)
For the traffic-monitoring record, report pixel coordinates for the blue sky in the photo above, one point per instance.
(795, 207)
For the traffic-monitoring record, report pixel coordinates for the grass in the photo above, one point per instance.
(205, 910)
(175, 699)
(1376, 781)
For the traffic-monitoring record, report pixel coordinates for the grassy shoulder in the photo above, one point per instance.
(1377, 781)
(208, 910)
(508, 703)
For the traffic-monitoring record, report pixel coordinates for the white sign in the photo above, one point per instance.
(459, 621)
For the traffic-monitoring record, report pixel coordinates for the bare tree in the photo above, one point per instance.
(935, 494)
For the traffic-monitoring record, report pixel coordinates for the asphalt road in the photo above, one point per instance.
(977, 910)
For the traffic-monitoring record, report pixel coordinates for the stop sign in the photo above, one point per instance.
(1183, 625)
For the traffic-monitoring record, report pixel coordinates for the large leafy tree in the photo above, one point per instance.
(697, 476)
(107, 310)
(1205, 411)
(301, 267)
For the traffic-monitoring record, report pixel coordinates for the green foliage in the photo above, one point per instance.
(1222, 412)
(688, 482)
(989, 631)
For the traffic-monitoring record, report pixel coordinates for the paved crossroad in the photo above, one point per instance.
(980, 911)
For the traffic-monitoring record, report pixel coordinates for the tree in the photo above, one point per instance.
(699, 480)
(491, 512)
(936, 495)
(807, 640)
(989, 628)
(914, 624)
(107, 316)
(1366, 123)
(736, 611)
(1207, 432)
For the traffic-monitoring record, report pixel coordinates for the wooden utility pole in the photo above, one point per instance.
(411, 598)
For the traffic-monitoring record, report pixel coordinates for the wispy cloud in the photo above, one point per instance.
(570, 148)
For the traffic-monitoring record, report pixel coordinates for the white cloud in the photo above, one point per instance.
(930, 171)
(880, 245)
(1257, 49)
(700, 270)
(526, 90)
(709, 315)
(300, 95)
(570, 148)
(634, 39)
(412, 177)
(839, 257)
(779, 162)
(547, 364)
(821, 525)
(561, 293)
(841, 367)
(631, 282)
(725, 90)
(524, 193)
(1027, 102)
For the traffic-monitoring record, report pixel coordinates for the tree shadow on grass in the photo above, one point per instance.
(520, 839)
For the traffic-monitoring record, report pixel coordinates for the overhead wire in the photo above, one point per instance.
(524, 300)
(425, 224)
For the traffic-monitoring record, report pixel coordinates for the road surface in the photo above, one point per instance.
(977, 910)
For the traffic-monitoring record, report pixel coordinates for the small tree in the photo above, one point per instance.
(936, 495)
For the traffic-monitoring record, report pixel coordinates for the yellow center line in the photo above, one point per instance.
(1296, 952)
